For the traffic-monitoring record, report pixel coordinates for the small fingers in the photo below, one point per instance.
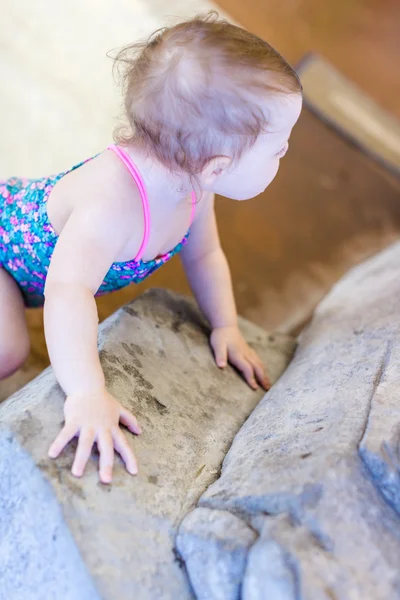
(221, 354)
(259, 371)
(129, 421)
(105, 446)
(83, 451)
(124, 450)
(262, 378)
(64, 437)
(246, 369)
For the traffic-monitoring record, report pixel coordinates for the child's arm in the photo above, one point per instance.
(86, 248)
(208, 273)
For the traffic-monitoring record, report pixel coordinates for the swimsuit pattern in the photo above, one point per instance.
(27, 240)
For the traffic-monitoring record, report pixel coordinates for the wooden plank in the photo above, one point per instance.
(347, 108)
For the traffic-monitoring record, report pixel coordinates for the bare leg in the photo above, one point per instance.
(14, 338)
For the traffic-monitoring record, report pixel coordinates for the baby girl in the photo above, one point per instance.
(210, 109)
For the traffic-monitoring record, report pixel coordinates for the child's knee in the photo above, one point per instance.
(13, 356)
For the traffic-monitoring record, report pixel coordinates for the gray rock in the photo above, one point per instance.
(219, 541)
(279, 573)
(61, 536)
(315, 468)
(34, 537)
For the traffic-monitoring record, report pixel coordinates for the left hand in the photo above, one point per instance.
(95, 417)
(228, 344)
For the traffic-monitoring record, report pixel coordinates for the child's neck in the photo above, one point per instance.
(160, 183)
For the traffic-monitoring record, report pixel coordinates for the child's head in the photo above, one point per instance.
(213, 101)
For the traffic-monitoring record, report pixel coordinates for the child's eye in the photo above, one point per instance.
(283, 151)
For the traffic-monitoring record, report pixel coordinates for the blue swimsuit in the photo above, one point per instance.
(27, 238)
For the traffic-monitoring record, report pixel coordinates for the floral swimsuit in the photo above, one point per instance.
(27, 238)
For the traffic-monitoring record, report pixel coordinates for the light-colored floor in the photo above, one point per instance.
(58, 102)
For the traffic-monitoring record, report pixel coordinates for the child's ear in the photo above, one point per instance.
(215, 167)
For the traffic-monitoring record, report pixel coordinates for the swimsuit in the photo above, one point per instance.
(27, 238)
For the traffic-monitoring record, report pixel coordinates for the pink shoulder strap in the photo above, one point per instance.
(126, 159)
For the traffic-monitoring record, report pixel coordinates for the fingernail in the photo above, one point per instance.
(106, 476)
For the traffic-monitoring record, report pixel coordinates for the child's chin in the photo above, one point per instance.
(239, 198)
(242, 196)
(250, 195)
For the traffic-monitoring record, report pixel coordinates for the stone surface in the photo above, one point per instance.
(315, 469)
(120, 538)
(221, 541)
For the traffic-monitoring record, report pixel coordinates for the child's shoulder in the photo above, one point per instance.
(102, 179)
(97, 187)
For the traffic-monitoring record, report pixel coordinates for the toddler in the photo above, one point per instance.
(210, 109)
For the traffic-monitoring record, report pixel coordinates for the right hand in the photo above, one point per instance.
(95, 417)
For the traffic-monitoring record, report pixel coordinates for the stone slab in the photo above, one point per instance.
(315, 469)
(157, 361)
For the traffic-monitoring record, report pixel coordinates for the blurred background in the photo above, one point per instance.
(331, 206)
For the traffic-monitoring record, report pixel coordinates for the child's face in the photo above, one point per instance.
(257, 168)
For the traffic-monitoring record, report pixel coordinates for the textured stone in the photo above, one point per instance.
(157, 361)
(279, 578)
(219, 541)
(315, 469)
